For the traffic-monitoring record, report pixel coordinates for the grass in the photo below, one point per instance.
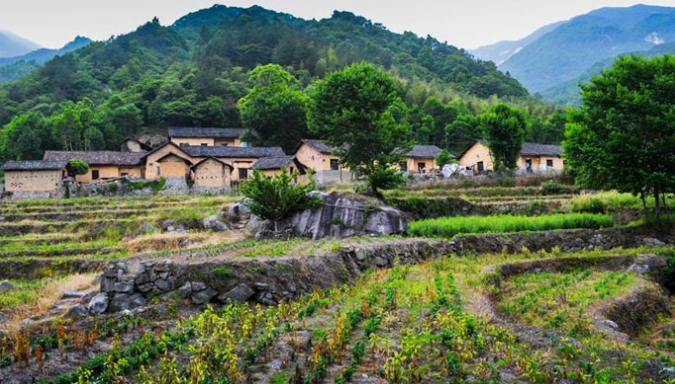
(611, 201)
(450, 226)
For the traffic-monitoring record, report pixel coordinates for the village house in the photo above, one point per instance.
(206, 137)
(271, 166)
(103, 165)
(421, 159)
(316, 155)
(212, 175)
(534, 158)
(34, 176)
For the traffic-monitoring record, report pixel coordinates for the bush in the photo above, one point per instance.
(552, 187)
(78, 167)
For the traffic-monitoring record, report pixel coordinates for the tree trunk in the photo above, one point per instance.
(644, 205)
(657, 204)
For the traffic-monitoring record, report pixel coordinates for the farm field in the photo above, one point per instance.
(543, 315)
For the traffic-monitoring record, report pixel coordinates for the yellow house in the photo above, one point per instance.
(103, 165)
(534, 158)
(241, 159)
(318, 156)
(270, 166)
(212, 175)
(207, 137)
(34, 176)
(421, 159)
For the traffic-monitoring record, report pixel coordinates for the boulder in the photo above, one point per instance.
(212, 223)
(240, 294)
(99, 303)
(240, 209)
(203, 296)
(77, 311)
(5, 286)
(122, 301)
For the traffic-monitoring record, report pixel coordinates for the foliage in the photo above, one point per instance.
(504, 129)
(277, 197)
(78, 167)
(623, 134)
(444, 157)
(451, 226)
(351, 109)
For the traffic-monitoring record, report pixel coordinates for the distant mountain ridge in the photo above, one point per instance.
(503, 50)
(572, 48)
(15, 45)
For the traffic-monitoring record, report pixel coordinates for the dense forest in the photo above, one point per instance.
(194, 73)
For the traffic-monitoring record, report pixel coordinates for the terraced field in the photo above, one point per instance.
(597, 315)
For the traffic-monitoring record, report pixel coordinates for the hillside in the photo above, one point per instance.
(503, 50)
(14, 68)
(193, 73)
(574, 46)
(13, 45)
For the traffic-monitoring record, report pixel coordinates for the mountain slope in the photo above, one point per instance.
(574, 46)
(503, 50)
(13, 45)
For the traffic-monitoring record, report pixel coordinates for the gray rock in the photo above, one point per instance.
(240, 294)
(137, 300)
(652, 242)
(99, 303)
(212, 223)
(198, 286)
(240, 209)
(122, 301)
(381, 262)
(203, 296)
(185, 290)
(145, 288)
(124, 286)
(147, 228)
(167, 224)
(261, 286)
(74, 294)
(360, 254)
(5, 286)
(639, 268)
(76, 312)
(255, 225)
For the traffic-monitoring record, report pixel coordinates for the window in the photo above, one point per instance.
(334, 164)
(124, 174)
(481, 166)
(549, 163)
(205, 144)
(243, 173)
(404, 166)
(95, 175)
(421, 167)
(159, 171)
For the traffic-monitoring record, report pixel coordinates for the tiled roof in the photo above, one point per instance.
(33, 165)
(97, 157)
(217, 133)
(534, 149)
(277, 162)
(424, 151)
(318, 145)
(233, 152)
(211, 158)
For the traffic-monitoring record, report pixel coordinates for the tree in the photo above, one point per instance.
(274, 110)
(444, 157)
(351, 110)
(622, 137)
(278, 197)
(504, 129)
(78, 167)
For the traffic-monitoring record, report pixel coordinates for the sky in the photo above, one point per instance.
(466, 24)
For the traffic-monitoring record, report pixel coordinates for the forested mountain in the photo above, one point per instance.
(569, 50)
(194, 72)
(13, 45)
(14, 68)
(503, 50)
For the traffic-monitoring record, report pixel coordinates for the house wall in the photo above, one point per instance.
(173, 166)
(558, 164)
(228, 142)
(413, 164)
(193, 141)
(478, 152)
(135, 171)
(104, 172)
(314, 159)
(238, 163)
(212, 174)
(33, 181)
(151, 163)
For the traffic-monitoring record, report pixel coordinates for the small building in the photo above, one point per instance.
(34, 176)
(172, 165)
(421, 159)
(212, 176)
(315, 154)
(534, 158)
(133, 145)
(240, 158)
(206, 137)
(103, 165)
(270, 166)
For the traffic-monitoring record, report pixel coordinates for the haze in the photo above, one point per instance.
(466, 24)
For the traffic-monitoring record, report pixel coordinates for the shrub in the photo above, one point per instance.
(78, 167)
(552, 187)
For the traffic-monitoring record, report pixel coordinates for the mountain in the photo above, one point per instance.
(574, 46)
(503, 50)
(14, 68)
(14, 45)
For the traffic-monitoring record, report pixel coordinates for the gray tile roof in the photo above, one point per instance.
(97, 157)
(534, 149)
(318, 145)
(211, 158)
(424, 152)
(33, 165)
(217, 133)
(277, 162)
(233, 152)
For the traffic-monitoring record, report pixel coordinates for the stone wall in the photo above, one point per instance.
(33, 195)
(264, 280)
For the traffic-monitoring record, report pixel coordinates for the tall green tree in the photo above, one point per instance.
(351, 110)
(274, 110)
(622, 137)
(504, 129)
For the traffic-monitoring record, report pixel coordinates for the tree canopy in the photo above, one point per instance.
(622, 137)
(504, 129)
